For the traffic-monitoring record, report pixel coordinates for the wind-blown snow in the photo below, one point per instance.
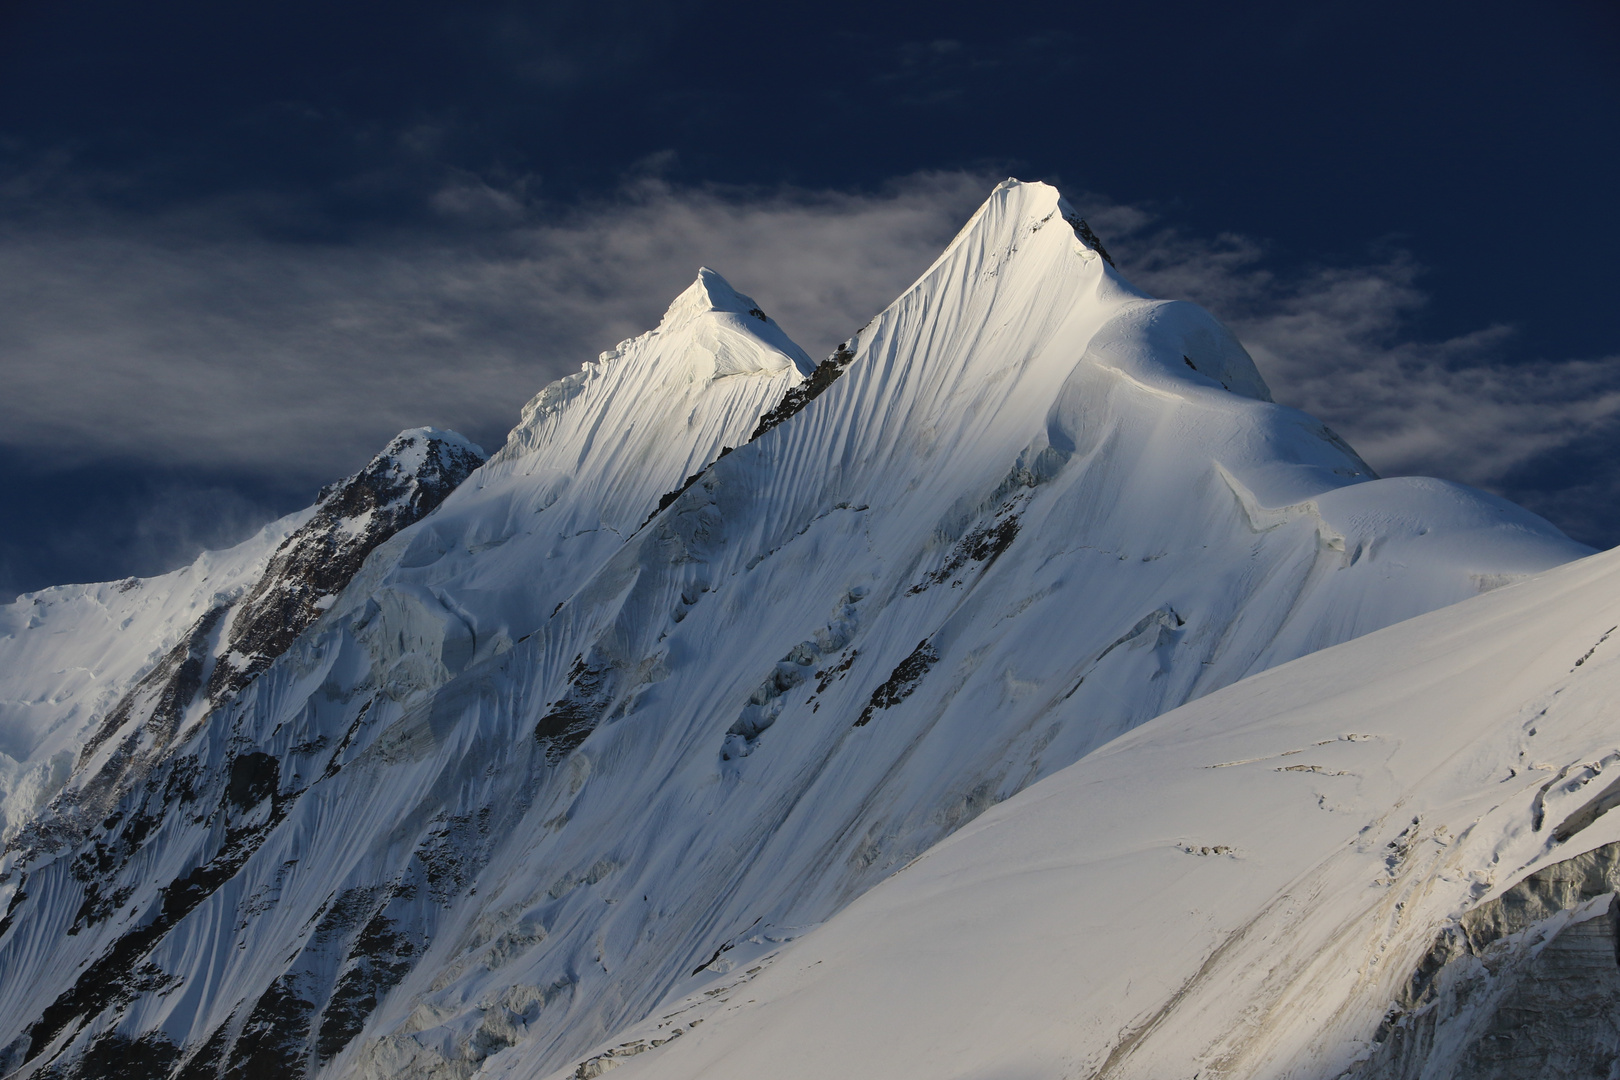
(628, 708)
(67, 654)
(1238, 888)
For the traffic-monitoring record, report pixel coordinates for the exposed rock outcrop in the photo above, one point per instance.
(399, 486)
(1523, 987)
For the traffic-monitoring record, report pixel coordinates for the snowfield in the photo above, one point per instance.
(722, 639)
(1239, 888)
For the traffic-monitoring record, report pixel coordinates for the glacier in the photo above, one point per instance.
(721, 639)
(1391, 859)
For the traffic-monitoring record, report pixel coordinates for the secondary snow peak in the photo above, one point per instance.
(710, 288)
(626, 703)
(729, 329)
(165, 651)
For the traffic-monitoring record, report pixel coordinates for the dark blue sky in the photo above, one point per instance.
(1462, 157)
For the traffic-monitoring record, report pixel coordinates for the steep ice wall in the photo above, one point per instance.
(615, 718)
(1526, 985)
(1395, 858)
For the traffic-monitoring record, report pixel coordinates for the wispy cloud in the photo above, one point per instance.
(195, 342)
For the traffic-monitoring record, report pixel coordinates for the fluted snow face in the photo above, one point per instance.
(592, 455)
(1396, 858)
(556, 755)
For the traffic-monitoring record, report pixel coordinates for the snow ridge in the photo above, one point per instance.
(240, 630)
(1350, 865)
(660, 685)
(51, 696)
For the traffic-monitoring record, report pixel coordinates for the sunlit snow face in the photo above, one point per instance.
(661, 685)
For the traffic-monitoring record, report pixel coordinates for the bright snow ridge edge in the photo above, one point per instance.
(535, 766)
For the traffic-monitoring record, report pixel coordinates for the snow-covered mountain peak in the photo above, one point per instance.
(418, 468)
(629, 708)
(410, 477)
(709, 332)
(155, 654)
(421, 455)
(709, 292)
(1029, 266)
(593, 456)
(728, 333)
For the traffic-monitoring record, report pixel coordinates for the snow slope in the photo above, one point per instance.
(70, 653)
(67, 654)
(97, 680)
(590, 733)
(1243, 887)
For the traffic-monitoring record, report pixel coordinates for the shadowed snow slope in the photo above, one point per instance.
(67, 654)
(1249, 886)
(609, 722)
(97, 680)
